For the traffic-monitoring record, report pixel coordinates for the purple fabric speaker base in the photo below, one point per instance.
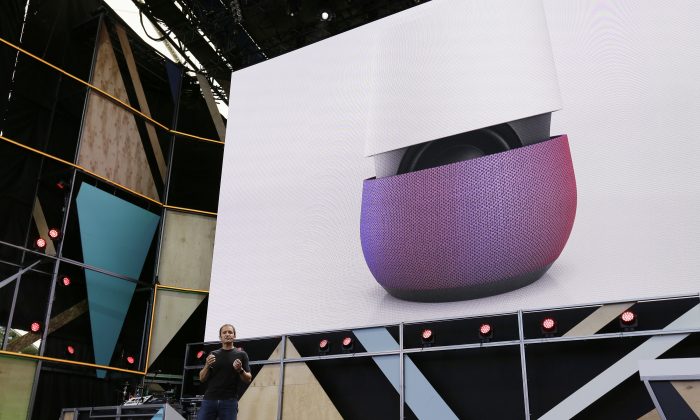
(473, 228)
(468, 292)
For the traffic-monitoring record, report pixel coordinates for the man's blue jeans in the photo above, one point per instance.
(218, 409)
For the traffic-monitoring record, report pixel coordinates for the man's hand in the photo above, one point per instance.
(211, 359)
(208, 363)
(238, 367)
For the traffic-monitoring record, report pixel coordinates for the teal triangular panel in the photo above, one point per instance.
(115, 236)
(158, 415)
(108, 299)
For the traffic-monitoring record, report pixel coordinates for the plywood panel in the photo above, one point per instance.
(186, 250)
(16, 379)
(260, 399)
(141, 97)
(598, 319)
(652, 415)
(172, 310)
(68, 415)
(304, 397)
(110, 144)
(690, 391)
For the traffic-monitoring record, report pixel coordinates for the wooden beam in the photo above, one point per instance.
(42, 226)
(59, 321)
(141, 97)
(211, 105)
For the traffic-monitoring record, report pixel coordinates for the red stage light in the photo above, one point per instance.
(427, 337)
(54, 233)
(628, 320)
(65, 280)
(200, 354)
(40, 243)
(628, 317)
(347, 344)
(323, 345)
(35, 327)
(70, 350)
(549, 325)
(130, 360)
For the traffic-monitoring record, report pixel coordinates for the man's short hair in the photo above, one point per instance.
(227, 325)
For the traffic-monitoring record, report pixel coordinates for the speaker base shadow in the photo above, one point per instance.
(468, 292)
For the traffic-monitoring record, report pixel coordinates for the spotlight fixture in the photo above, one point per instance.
(65, 280)
(130, 360)
(70, 350)
(200, 354)
(427, 337)
(326, 16)
(293, 7)
(347, 344)
(62, 185)
(35, 327)
(324, 346)
(40, 244)
(485, 332)
(54, 234)
(548, 326)
(628, 320)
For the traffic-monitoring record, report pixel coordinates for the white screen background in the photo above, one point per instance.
(288, 258)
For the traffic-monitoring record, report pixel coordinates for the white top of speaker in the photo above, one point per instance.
(451, 66)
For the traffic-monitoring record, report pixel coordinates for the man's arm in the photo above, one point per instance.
(245, 376)
(204, 373)
(242, 369)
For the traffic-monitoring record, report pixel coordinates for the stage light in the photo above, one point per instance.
(326, 16)
(200, 354)
(54, 234)
(628, 320)
(62, 185)
(427, 337)
(324, 346)
(65, 280)
(40, 244)
(70, 350)
(130, 360)
(347, 344)
(548, 326)
(35, 327)
(485, 331)
(293, 7)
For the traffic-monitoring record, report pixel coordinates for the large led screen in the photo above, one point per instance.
(308, 240)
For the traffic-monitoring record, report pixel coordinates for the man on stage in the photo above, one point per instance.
(224, 371)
